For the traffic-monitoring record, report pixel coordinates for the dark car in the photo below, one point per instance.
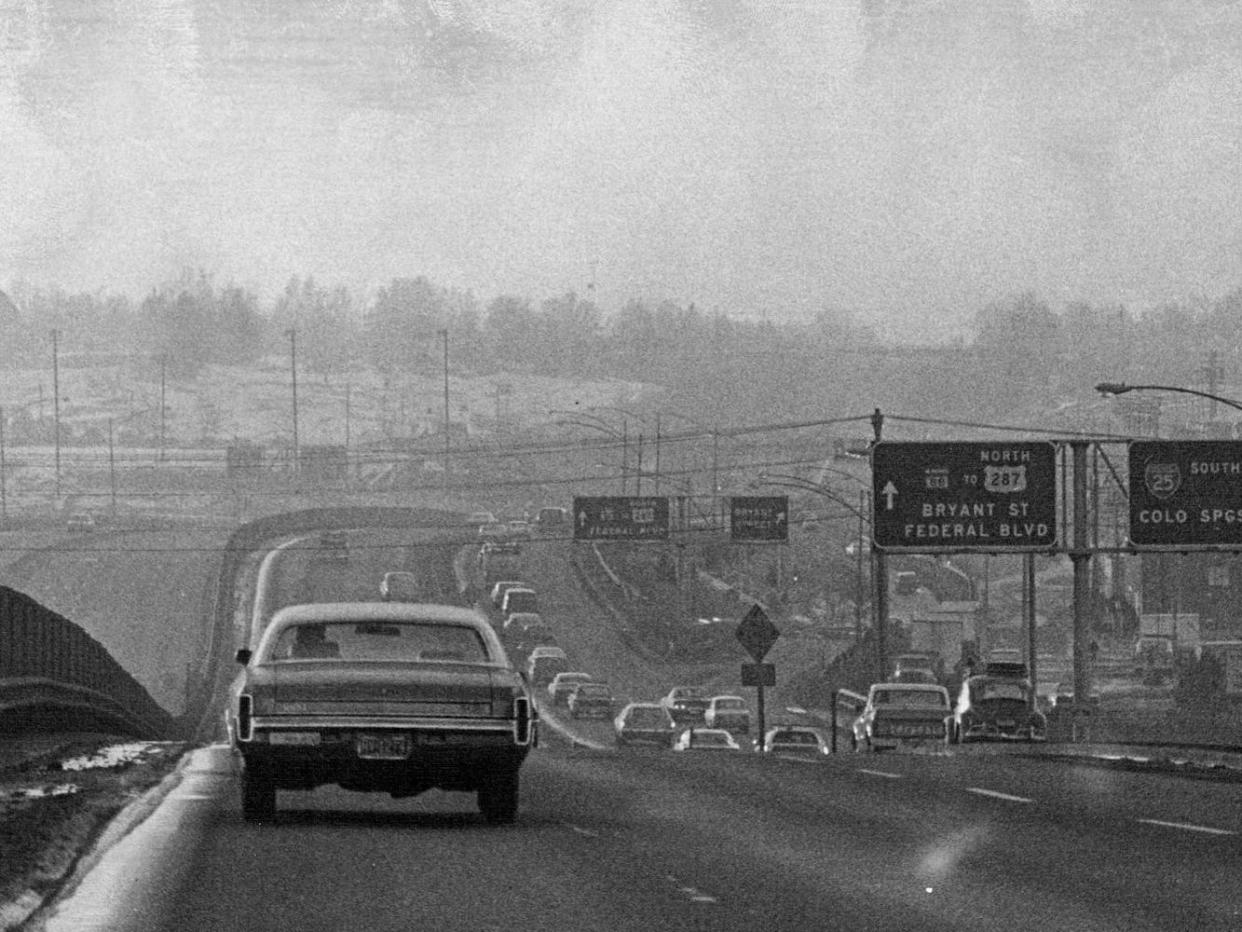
(687, 704)
(391, 697)
(729, 713)
(644, 723)
(996, 708)
(563, 683)
(591, 699)
(518, 599)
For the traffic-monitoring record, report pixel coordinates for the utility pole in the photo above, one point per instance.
(112, 468)
(881, 580)
(56, 403)
(1080, 557)
(447, 436)
(163, 406)
(292, 334)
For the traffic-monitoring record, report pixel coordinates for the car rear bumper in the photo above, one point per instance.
(446, 760)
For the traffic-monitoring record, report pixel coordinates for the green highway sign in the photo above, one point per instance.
(759, 517)
(1185, 493)
(989, 496)
(620, 517)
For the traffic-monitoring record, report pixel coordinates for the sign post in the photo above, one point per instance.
(757, 634)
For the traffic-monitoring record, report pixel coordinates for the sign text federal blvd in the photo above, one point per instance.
(620, 517)
(1185, 493)
(965, 496)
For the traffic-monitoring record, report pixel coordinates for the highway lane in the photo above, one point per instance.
(961, 839)
(657, 840)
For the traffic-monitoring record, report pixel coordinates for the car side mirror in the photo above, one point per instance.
(243, 655)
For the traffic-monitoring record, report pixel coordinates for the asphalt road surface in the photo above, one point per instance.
(697, 840)
(651, 840)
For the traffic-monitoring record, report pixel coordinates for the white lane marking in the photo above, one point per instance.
(580, 830)
(996, 795)
(880, 773)
(1188, 827)
(693, 894)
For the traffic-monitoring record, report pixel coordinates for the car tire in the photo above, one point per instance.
(258, 796)
(498, 798)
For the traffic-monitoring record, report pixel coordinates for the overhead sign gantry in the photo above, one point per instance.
(964, 496)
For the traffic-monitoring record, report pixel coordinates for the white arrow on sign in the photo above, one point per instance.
(582, 518)
(889, 492)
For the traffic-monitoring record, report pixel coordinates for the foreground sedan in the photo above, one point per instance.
(389, 697)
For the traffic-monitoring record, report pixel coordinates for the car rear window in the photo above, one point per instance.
(1002, 690)
(910, 698)
(380, 641)
(793, 737)
(647, 717)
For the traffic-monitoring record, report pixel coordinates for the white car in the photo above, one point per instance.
(501, 586)
(706, 739)
(795, 740)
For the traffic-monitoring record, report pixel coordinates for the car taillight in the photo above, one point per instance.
(245, 708)
(523, 720)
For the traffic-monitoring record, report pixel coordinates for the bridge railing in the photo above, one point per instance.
(53, 675)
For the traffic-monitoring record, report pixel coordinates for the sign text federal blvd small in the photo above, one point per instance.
(1185, 493)
(965, 496)
(621, 517)
(759, 518)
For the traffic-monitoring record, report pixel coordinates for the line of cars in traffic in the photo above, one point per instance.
(913, 709)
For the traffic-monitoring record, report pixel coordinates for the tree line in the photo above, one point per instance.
(1022, 355)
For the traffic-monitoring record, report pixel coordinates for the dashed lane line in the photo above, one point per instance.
(1188, 827)
(880, 773)
(994, 794)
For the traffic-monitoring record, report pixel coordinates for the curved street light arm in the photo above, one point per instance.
(1120, 388)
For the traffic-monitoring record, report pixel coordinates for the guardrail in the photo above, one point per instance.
(55, 676)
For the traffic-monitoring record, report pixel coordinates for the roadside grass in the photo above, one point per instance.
(50, 813)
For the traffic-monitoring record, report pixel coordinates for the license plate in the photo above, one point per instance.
(383, 747)
(1005, 723)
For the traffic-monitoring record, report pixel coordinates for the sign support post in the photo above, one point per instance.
(1080, 557)
(757, 634)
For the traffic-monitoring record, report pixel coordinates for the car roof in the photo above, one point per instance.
(571, 674)
(547, 650)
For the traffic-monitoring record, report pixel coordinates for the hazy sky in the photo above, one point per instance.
(753, 156)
